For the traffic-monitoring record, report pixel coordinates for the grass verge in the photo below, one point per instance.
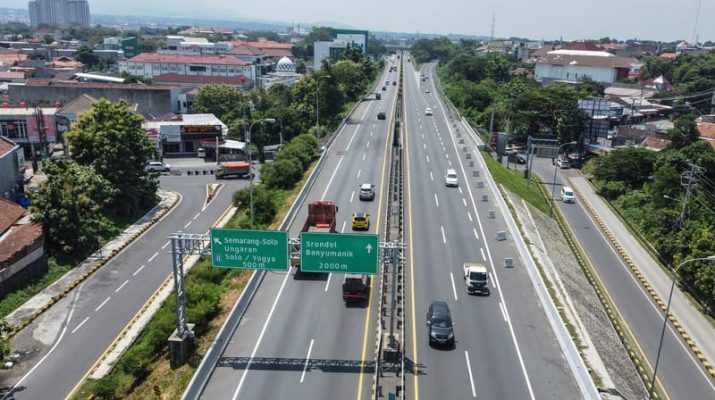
(515, 182)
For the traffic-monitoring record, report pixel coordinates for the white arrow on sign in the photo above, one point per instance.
(218, 241)
(369, 248)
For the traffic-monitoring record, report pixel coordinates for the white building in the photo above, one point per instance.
(571, 66)
(193, 45)
(59, 12)
(323, 50)
(149, 65)
(342, 39)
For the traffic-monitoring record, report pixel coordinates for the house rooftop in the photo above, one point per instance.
(187, 59)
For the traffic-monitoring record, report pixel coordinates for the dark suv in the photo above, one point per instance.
(439, 324)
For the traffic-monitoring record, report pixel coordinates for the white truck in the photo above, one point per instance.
(476, 278)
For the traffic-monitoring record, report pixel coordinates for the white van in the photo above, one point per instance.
(567, 195)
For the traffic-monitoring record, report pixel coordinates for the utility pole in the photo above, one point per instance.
(688, 181)
(712, 104)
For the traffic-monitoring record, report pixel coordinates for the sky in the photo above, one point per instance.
(665, 20)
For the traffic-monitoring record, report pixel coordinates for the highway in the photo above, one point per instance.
(681, 375)
(505, 348)
(298, 339)
(69, 338)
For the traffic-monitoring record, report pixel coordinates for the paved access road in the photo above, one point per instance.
(505, 348)
(297, 338)
(681, 375)
(67, 340)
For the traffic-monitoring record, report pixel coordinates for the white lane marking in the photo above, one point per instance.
(370, 135)
(450, 163)
(424, 145)
(436, 200)
(454, 287)
(427, 159)
(464, 201)
(103, 303)
(471, 378)
(187, 224)
(337, 167)
(460, 189)
(165, 244)
(307, 360)
(476, 235)
(153, 257)
(260, 338)
(423, 136)
(343, 229)
(483, 256)
(363, 156)
(368, 144)
(470, 216)
(327, 283)
(137, 271)
(197, 215)
(54, 346)
(444, 149)
(444, 238)
(420, 126)
(352, 196)
(359, 172)
(80, 325)
(503, 312)
(121, 286)
(431, 176)
(495, 280)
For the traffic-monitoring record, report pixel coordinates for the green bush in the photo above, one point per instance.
(613, 190)
(282, 174)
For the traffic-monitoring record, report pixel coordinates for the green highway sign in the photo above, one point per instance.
(337, 252)
(240, 248)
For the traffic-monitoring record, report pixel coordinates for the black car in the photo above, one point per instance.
(439, 324)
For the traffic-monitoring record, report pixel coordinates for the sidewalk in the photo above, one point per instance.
(689, 317)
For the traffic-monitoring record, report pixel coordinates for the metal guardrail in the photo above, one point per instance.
(205, 369)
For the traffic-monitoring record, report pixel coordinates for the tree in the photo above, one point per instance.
(654, 67)
(632, 165)
(69, 205)
(282, 174)
(110, 139)
(684, 132)
(5, 330)
(218, 100)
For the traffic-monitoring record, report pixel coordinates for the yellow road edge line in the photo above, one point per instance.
(366, 331)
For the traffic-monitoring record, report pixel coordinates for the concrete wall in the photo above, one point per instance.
(152, 102)
(10, 172)
(23, 270)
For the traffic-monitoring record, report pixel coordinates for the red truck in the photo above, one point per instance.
(239, 169)
(321, 218)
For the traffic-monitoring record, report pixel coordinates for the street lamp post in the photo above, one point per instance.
(317, 104)
(250, 163)
(665, 319)
(553, 184)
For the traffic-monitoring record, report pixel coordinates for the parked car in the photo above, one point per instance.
(439, 324)
(157, 166)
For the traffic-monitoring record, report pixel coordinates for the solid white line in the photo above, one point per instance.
(431, 176)
(464, 201)
(352, 196)
(495, 280)
(337, 167)
(471, 378)
(483, 256)
(470, 216)
(454, 287)
(436, 200)
(260, 338)
(444, 239)
(54, 346)
(197, 215)
(503, 312)
(343, 229)
(137, 271)
(363, 156)
(103, 303)
(80, 325)
(121, 286)
(165, 244)
(187, 224)
(327, 283)
(307, 360)
(153, 257)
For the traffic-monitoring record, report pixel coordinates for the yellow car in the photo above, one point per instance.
(361, 221)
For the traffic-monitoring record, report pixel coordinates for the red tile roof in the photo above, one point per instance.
(707, 130)
(12, 75)
(199, 79)
(671, 56)
(9, 213)
(93, 85)
(592, 61)
(186, 59)
(264, 44)
(23, 239)
(278, 53)
(581, 45)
